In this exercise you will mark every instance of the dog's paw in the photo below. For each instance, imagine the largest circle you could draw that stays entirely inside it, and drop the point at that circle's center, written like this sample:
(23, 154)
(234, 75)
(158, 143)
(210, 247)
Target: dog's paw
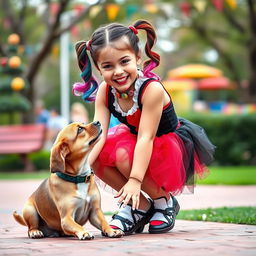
(85, 235)
(35, 233)
(113, 233)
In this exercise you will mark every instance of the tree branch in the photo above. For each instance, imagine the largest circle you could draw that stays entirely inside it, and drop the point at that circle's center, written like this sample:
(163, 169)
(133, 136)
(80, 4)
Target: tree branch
(202, 32)
(16, 24)
(2, 51)
(252, 15)
(38, 59)
(72, 23)
(23, 10)
(76, 20)
(53, 33)
(232, 21)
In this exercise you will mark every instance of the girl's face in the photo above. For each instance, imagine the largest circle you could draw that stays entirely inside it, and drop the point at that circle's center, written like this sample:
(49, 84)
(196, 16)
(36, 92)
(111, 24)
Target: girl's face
(118, 66)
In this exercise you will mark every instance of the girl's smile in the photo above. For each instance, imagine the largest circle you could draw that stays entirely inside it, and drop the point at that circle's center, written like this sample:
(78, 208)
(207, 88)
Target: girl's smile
(118, 65)
(122, 80)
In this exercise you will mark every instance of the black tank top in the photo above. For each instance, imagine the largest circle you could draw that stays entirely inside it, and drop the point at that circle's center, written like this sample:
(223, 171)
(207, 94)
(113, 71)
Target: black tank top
(168, 122)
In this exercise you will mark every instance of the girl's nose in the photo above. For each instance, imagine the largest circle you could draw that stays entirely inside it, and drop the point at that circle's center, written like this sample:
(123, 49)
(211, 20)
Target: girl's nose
(118, 70)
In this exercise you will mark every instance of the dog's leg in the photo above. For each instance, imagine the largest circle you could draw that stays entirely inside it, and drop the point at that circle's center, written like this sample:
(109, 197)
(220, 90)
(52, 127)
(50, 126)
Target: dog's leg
(31, 218)
(70, 227)
(97, 219)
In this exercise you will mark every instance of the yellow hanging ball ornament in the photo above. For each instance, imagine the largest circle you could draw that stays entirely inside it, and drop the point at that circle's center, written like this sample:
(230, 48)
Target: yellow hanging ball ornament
(17, 84)
(14, 62)
(13, 39)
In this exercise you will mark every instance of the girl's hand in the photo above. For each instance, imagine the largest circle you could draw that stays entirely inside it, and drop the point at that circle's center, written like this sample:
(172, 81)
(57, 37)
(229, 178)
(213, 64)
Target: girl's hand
(130, 191)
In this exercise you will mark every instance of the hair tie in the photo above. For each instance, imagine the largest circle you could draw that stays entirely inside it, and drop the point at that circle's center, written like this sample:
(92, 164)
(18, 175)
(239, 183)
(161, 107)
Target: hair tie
(88, 45)
(133, 29)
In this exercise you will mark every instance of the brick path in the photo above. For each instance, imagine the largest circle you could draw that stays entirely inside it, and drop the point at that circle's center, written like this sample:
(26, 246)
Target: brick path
(187, 238)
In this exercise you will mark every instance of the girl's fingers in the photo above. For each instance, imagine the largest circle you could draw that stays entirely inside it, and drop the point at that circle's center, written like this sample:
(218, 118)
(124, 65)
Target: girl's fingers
(135, 202)
(126, 200)
(121, 199)
(119, 193)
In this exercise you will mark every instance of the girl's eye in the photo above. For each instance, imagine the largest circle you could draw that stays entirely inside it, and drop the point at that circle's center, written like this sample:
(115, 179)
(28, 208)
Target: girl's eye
(125, 61)
(106, 67)
(80, 129)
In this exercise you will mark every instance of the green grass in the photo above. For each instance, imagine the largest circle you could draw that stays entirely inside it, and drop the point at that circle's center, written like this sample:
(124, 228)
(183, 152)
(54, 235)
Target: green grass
(24, 175)
(237, 215)
(233, 175)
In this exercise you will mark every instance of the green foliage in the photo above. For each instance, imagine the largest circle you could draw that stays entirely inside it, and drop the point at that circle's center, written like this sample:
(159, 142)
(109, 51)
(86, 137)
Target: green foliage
(41, 160)
(233, 135)
(238, 215)
(6, 70)
(230, 175)
(10, 118)
(10, 100)
(10, 163)
(5, 84)
(24, 175)
(14, 103)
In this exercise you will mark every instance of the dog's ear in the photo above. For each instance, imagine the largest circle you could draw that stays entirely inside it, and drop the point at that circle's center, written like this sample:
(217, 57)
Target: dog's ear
(58, 155)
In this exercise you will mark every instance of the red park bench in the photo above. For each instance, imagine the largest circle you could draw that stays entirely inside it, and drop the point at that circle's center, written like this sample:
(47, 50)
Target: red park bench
(22, 140)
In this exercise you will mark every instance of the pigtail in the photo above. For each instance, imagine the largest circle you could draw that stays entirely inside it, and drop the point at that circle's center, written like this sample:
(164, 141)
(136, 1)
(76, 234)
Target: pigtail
(89, 88)
(151, 40)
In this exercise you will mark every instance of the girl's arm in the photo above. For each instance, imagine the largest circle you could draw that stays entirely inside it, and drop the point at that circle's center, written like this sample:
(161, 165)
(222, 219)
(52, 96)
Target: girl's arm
(153, 103)
(102, 115)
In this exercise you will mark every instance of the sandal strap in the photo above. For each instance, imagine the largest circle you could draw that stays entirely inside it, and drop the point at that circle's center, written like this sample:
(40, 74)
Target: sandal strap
(123, 221)
(128, 222)
(167, 211)
(142, 218)
(170, 211)
(133, 212)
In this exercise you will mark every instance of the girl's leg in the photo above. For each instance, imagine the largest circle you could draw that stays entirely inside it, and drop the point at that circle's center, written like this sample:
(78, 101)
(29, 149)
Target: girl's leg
(128, 220)
(124, 166)
(117, 177)
(111, 176)
(162, 220)
(148, 185)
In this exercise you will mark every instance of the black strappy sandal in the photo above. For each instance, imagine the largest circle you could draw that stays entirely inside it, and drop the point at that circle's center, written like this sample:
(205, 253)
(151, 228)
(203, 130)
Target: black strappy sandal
(130, 227)
(170, 214)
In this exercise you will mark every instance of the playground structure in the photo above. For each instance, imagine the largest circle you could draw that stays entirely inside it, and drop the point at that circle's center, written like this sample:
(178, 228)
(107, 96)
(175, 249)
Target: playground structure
(186, 83)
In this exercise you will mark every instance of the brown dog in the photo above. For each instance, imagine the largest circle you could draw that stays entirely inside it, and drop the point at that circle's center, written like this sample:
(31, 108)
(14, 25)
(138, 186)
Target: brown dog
(69, 197)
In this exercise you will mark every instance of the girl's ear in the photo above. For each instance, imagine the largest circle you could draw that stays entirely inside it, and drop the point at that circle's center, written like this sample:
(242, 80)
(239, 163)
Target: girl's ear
(138, 58)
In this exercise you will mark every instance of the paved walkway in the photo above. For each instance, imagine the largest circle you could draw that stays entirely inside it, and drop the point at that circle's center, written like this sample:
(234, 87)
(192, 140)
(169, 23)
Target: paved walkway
(187, 238)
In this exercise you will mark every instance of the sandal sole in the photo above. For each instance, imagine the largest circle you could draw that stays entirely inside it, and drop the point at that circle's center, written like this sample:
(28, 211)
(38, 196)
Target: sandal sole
(168, 228)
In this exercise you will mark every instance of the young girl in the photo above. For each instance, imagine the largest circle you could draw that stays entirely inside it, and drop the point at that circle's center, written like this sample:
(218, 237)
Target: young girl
(152, 154)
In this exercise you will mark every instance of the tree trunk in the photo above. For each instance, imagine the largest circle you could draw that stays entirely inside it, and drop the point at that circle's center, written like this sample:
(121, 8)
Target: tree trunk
(252, 78)
(252, 51)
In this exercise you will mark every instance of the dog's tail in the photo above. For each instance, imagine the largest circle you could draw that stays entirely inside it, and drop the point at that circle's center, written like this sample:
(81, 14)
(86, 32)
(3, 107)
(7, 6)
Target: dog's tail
(19, 218)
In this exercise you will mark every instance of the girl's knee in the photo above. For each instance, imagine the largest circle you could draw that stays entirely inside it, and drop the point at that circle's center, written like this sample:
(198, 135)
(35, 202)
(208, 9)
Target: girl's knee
(121, 155)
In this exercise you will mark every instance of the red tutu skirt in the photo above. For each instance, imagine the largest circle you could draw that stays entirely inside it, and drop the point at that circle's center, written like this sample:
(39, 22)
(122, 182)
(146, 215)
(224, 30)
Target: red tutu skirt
(169, 163)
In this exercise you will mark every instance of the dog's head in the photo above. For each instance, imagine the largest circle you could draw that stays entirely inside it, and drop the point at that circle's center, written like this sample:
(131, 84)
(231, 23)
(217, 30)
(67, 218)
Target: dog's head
(72, 146)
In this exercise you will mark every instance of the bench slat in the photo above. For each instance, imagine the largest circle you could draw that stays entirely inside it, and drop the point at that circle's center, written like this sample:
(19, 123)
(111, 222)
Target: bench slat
(21, 138)
(13, 148)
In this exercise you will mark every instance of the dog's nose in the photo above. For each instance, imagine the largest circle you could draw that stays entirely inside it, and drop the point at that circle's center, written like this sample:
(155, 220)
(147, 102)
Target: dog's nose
(96, 123)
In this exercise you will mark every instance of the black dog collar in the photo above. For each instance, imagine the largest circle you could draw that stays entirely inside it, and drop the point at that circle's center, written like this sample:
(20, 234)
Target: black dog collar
(75, 179)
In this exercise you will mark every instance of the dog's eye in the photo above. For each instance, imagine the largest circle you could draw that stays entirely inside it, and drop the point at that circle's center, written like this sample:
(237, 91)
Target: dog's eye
(80, 129)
